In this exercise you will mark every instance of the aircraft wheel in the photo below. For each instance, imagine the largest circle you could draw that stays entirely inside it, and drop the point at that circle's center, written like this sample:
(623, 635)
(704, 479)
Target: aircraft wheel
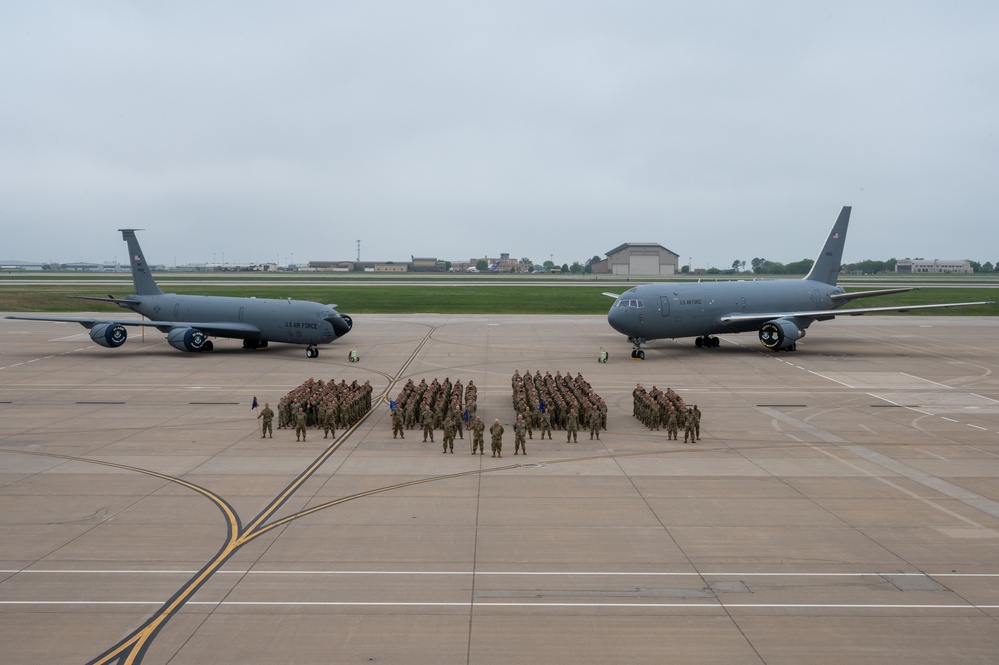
(715, 342)
(208, 347)
(699, 342)
(312, 352)
(640, 354)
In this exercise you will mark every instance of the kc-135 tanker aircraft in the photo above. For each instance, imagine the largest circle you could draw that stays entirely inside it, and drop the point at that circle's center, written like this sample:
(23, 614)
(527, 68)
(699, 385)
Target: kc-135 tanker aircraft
(780, 309)
(189, 321)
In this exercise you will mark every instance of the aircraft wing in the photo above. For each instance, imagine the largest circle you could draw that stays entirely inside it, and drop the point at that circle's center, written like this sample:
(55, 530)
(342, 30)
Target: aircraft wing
(837, 297)
(111, 299)
(211, 328)
(822, 314)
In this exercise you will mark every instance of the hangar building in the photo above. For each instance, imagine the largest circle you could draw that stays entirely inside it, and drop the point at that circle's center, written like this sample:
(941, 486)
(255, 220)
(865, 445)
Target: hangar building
(639, 258)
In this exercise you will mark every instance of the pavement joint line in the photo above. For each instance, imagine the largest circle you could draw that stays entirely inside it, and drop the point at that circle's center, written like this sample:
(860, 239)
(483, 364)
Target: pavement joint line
(512, 573)
(472, 604)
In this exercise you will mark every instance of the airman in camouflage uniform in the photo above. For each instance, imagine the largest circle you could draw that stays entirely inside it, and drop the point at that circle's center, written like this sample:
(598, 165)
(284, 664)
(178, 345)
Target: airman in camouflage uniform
(448, 428)
(496, 431)
(397, 424)
(329, 421)
(571, 426)
(478, 432)
(267, 416)
(427, 423)
(519, 429)
(300, 420)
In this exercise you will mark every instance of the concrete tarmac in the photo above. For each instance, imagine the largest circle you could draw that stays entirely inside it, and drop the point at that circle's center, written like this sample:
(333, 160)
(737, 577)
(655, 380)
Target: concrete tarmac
(842, 504)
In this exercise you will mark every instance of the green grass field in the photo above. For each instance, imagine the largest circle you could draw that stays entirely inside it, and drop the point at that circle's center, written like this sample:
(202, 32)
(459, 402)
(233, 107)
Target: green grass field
(372, 297)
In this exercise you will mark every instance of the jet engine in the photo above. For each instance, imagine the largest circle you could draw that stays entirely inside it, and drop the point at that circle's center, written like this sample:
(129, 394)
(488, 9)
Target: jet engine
(110, 335)
(187, 339)
(780, 334)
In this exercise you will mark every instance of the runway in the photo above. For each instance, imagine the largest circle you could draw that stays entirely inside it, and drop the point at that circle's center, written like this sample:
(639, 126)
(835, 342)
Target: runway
(841, 506)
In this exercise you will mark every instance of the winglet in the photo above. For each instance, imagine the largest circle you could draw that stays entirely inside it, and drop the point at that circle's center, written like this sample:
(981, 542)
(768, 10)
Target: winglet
(142, 278)
(827, 265)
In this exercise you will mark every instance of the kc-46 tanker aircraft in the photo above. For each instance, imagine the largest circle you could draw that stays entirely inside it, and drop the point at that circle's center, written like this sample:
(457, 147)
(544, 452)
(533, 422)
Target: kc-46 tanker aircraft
(189, 321)
(780, 309)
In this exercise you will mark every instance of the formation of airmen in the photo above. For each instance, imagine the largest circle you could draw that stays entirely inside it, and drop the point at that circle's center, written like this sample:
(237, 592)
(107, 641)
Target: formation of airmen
(666, 410)
(323, 405)
(541, 403)
(433, 406)
(559, 402)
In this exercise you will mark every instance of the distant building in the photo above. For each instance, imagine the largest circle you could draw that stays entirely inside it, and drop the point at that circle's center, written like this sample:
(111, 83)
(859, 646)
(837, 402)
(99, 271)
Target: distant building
(639, 258)
(390, 267)
(11, 264)
(916, 266)
(333, 266)
(425, 264)
(503, 264)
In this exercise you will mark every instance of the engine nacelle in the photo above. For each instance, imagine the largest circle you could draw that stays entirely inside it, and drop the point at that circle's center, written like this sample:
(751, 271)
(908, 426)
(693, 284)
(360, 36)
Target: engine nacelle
(110, 335)
(780, 334)
(187, 339)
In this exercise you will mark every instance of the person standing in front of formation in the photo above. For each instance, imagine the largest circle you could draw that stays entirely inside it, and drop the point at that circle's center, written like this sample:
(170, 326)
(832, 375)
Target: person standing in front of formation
(519, 429)
(448, 428)
(267, 416)
(478, 435)
(496, 431)
(300, 420)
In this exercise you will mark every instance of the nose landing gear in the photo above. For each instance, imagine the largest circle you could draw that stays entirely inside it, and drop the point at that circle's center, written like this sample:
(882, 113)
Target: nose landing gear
(637, 352)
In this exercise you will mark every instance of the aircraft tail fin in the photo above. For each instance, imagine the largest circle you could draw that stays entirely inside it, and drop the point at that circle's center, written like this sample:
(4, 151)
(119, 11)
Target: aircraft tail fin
(142, 277)
(827, 264)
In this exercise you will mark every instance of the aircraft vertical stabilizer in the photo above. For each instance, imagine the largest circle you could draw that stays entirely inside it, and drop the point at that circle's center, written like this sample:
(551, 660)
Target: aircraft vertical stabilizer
(142, 277)
(827, 264)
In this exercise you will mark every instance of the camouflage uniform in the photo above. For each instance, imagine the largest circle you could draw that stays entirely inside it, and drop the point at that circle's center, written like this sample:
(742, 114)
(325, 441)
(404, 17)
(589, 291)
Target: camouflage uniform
(571, 426)
(478, 430)
(397, 424)
(496, 431)
(329, 423)
(519, 429)
(546, 425)
(300, 420)
(427, 423)
(268, 418)
(448, 435)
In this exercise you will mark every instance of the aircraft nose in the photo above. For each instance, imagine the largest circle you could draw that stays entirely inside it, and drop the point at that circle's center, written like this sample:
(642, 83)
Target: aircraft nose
(341, 324)
(616, 319)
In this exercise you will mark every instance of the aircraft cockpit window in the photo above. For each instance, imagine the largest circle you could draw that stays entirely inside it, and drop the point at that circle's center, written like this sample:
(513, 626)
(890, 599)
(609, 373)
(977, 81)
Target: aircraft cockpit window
(630, 303)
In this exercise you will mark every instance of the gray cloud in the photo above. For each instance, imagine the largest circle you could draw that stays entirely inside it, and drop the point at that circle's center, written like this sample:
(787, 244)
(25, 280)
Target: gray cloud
(723, 130)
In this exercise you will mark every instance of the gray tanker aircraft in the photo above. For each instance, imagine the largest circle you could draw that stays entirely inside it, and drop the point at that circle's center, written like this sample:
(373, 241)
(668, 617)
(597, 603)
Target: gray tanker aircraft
(188, 321)
(779, 309)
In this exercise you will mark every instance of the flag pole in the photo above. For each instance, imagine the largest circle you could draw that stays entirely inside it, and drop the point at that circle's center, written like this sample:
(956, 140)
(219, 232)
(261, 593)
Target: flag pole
(253, 410)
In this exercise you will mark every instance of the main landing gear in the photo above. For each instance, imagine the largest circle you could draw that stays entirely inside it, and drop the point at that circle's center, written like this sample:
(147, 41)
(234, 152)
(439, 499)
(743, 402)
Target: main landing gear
(706, 341)
(637, 352)
(312, 351)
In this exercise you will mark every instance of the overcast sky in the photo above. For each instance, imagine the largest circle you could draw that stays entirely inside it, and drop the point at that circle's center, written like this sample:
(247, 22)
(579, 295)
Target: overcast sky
(722, 130)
